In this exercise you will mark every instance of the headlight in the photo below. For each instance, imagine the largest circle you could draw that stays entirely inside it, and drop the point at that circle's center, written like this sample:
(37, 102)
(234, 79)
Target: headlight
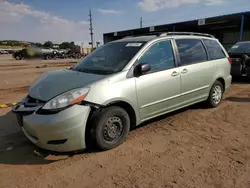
(68, 98)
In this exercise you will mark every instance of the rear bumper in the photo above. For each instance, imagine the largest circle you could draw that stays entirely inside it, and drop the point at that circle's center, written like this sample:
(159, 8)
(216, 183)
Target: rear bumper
(61, 132)
(228, 82)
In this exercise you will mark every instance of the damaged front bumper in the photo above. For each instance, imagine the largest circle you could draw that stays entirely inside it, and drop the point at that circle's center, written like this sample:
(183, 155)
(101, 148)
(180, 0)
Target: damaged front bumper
(63, 131)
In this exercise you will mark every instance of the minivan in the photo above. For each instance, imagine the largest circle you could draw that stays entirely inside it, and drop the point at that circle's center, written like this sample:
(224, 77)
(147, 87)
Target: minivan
(120, 85)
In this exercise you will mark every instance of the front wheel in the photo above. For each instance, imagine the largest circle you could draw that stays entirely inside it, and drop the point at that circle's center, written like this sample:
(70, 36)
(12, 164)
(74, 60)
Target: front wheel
(110, 127)
(215, 95)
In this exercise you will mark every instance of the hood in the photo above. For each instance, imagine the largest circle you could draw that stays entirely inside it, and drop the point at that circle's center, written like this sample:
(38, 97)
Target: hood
(53, 83)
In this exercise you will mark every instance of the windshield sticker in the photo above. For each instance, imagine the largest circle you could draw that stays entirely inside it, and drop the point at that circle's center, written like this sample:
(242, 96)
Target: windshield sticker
(133, 44)
(235, 46)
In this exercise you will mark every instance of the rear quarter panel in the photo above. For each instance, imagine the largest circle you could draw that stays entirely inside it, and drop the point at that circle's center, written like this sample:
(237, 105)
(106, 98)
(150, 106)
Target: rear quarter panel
(222, 68)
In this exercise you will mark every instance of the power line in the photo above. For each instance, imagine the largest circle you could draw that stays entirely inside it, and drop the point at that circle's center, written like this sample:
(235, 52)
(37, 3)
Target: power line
(91, 29)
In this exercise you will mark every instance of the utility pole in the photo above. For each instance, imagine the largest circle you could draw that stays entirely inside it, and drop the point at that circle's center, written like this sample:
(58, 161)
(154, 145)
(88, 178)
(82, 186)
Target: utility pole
(91, 29)
(141, 22)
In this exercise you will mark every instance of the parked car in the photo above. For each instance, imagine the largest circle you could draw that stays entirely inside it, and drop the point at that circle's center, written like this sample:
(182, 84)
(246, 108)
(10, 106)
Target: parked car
(120, 85)
(19, 54)
(240, 55)
(3, 52)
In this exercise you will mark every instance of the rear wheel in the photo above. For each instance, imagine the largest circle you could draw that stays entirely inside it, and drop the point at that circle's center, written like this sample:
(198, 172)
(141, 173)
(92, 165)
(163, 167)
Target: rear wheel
(215, 95)
(110, 127)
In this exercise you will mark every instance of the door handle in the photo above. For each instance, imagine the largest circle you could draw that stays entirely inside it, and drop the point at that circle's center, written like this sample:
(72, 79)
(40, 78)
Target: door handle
(184, 71)
(174, 73)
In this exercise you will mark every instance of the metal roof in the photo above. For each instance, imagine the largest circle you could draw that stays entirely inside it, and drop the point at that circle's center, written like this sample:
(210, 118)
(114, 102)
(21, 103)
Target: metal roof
(183, 22)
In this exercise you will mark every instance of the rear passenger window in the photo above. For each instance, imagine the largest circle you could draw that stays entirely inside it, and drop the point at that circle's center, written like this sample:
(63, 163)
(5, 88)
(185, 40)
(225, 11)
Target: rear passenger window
(191, 51)
(214, 49)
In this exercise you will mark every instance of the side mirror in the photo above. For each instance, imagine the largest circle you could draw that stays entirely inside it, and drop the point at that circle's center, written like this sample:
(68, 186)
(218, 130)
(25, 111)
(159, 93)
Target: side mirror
(140, 69)
(145, 68)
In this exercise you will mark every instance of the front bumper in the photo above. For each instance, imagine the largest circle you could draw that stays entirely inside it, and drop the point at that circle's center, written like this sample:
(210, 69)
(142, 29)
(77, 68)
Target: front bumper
(61, 132)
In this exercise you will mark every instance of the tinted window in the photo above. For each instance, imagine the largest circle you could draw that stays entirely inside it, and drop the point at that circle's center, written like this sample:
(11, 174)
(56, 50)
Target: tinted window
(214, 49)
(159, 56)
(191, 51)
(243, 47)
(109, 58)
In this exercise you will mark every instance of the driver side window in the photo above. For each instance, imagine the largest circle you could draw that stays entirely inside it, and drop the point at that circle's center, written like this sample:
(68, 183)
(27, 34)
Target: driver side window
(160, 56)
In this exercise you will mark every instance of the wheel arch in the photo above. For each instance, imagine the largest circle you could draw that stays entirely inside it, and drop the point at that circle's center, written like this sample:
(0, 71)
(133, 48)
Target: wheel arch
(95, 108)
(128, 108)
(222, 81)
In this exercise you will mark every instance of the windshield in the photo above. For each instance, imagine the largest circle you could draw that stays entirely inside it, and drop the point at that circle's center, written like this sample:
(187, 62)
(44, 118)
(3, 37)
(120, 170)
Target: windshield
(240, 48)
(110, 58)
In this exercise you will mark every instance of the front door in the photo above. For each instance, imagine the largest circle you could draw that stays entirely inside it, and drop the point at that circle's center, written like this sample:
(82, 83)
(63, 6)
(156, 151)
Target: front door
(158, 90)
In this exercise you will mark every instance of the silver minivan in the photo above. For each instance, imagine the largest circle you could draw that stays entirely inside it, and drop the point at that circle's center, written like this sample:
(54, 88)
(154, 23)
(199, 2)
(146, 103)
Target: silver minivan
(120, 85)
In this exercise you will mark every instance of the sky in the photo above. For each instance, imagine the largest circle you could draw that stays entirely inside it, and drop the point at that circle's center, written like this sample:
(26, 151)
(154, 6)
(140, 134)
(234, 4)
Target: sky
(67, 20)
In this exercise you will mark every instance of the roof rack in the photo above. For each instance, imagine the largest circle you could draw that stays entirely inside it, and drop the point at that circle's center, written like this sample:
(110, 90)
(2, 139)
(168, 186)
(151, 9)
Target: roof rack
(185, 33)
(144, 35)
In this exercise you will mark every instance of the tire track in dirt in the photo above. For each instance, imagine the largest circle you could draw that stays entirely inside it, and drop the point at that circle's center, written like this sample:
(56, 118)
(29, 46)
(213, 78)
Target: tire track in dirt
(13, 65)
(14, 89)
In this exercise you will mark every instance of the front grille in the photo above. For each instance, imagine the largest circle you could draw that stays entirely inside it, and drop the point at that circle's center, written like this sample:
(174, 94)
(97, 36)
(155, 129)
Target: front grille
(32, 102)
(29, 106)
(26, 113)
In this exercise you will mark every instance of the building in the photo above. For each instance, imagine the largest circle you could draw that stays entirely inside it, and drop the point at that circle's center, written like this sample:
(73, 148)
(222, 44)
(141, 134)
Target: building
(82, 50)
(227, 28)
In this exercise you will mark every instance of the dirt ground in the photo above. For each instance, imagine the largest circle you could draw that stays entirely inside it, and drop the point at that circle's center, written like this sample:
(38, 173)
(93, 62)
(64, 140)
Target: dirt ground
(194, 147)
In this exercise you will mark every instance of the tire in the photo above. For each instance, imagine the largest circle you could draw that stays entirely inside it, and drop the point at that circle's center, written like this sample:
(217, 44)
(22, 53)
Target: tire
(211, 102)
(100, 132)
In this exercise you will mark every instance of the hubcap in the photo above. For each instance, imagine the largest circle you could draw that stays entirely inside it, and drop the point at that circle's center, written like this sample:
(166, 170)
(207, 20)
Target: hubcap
(113, 129)
(217, 94)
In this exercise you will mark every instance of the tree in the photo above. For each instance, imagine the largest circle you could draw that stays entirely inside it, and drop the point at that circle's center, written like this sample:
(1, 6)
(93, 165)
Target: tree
(67, 45)
(38, 44)
(48, 44)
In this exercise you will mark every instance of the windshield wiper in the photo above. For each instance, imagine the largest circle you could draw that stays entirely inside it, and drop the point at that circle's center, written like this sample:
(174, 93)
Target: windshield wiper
(95, 71)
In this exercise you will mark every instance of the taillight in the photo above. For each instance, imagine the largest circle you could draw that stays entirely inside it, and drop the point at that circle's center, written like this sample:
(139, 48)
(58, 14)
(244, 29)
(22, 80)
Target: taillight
(229, 60)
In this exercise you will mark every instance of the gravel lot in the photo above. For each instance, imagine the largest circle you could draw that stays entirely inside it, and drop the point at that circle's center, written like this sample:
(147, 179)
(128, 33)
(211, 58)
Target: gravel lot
(193, 147)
